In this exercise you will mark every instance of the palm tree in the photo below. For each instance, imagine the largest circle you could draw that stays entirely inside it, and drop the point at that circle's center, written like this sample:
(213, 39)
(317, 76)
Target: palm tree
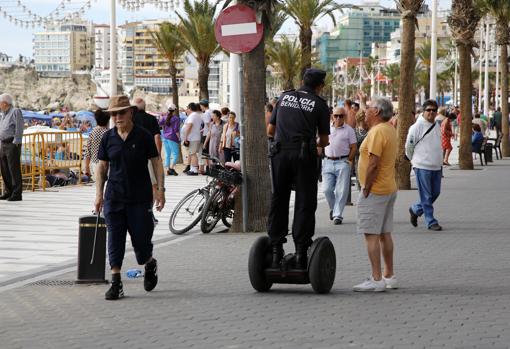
(256, 174)
(409, 10)
(285, 57)
(392, 73)
(463, 22)
(165, 41)
(196, 30)
(500, 10)
(305, 13)
(423, 54)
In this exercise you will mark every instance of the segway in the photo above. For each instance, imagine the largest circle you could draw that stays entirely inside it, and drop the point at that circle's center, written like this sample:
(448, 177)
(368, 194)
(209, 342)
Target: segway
(320, 271)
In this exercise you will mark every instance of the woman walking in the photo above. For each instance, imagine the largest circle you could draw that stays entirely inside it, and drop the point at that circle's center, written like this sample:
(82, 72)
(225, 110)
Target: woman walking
(212, 141)
(171, 138)
(446, 138)
(230, 132)
(94, 140)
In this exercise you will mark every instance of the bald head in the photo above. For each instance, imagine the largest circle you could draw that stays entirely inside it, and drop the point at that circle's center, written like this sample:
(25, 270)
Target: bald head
(140, 103)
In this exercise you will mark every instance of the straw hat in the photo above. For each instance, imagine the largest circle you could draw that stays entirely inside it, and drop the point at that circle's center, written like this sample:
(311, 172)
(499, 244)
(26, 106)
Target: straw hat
(118, 103)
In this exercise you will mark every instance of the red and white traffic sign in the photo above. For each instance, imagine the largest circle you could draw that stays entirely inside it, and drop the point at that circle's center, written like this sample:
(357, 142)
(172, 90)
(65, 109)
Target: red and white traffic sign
(237, 30)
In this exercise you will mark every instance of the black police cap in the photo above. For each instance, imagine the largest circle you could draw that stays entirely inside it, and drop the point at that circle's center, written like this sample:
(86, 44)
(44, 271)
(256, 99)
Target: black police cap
(314, 77)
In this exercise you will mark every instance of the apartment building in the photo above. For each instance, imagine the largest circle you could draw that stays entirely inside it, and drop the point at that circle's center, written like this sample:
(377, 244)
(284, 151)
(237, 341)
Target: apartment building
(64, 49)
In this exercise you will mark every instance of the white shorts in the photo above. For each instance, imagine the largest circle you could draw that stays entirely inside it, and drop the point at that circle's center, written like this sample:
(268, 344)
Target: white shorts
(375, 213)
(194, 147)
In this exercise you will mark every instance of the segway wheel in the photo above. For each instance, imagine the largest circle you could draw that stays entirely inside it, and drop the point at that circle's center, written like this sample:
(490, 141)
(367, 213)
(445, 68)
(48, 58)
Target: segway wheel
(322, 267)
(259, 260)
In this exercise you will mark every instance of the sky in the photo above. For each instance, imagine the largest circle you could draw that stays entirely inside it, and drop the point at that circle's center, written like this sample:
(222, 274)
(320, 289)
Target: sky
(16, 40)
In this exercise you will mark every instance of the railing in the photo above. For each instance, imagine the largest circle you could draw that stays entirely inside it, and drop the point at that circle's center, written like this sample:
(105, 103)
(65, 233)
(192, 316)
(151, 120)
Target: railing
(42, 153)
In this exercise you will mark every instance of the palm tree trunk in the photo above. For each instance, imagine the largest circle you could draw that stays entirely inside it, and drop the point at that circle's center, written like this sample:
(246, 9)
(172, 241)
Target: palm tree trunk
(466, 88)
(256, 174)
(405, 100)
(305, 38)
(503, 61)
(288, 85)
(175, 89)
(203, 77)
(427, 84)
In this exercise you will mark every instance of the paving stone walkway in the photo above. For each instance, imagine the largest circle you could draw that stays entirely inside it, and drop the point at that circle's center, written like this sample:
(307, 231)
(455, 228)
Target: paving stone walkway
(455, 289)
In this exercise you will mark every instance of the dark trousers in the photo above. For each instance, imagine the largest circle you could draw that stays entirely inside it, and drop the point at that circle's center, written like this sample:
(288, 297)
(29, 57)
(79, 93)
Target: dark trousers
(228, 154)
(11, 168)
(289, 171)
(135, 218)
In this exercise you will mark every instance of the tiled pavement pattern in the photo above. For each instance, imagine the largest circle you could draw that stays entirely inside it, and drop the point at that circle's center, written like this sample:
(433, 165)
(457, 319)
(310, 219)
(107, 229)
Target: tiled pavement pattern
(41, 232)
(455, 289)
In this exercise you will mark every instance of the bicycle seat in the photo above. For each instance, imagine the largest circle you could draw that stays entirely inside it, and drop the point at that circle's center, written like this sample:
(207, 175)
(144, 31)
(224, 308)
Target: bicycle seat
(234, 165)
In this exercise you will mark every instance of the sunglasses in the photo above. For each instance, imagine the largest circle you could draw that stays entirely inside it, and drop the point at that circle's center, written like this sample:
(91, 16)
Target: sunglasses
(338, 116)
(431, 110)
(120, 112)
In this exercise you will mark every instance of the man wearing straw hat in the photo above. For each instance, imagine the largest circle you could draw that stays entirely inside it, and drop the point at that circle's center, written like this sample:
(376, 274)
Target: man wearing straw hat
(127, 201)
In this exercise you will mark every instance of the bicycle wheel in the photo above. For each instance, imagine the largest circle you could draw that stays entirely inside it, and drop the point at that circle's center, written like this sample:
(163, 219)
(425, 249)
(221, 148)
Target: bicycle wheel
(212, 211)
(228, 214)
(188, 211)
(227, 218)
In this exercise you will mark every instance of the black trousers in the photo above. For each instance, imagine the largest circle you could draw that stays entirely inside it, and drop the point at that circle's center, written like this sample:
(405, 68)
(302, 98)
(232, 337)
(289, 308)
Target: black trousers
(135, 218)
(289, 171)
(10, 167)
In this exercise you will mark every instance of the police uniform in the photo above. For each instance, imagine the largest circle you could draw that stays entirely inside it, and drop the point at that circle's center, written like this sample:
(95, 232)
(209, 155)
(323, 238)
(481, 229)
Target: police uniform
(128, 195)
(298, 117)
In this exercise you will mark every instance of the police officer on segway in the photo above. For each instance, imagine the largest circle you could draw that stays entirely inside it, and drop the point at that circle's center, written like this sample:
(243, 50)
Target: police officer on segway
(299, 116)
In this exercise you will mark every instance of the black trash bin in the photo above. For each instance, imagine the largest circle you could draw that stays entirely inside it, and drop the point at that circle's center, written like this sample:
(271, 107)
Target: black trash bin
(488, 152)
(91, 250)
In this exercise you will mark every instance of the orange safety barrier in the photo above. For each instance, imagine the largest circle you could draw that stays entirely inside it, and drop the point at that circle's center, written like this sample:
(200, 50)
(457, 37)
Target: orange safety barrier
(43, 152)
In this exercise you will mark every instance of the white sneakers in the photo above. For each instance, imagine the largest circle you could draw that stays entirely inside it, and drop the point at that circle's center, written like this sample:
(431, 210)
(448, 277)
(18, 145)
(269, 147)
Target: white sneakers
(371, 285)
(391, 282)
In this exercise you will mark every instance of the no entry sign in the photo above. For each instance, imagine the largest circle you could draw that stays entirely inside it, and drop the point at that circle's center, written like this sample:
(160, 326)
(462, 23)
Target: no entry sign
(237, 30)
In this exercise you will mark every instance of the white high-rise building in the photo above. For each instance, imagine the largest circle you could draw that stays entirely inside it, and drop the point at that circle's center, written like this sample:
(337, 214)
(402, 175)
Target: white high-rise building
(218, 79)
(102, 47)
(63, 50)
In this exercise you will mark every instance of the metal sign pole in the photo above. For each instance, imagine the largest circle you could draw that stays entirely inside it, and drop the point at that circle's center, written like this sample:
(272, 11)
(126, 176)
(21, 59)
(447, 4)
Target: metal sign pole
(244, 187)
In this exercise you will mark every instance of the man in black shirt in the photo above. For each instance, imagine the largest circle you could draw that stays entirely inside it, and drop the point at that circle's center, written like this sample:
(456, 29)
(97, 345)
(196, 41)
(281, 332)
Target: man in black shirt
(295, 122)
(149, 123)
(127, 201)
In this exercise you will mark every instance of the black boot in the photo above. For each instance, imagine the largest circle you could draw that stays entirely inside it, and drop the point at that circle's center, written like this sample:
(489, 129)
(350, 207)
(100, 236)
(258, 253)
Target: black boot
(301, 257)
(277, 256)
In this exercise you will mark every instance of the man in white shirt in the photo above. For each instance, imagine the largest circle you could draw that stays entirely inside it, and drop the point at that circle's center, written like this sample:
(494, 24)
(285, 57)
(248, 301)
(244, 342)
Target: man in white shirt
(192, 136)
(423, 148)
(336, 169)
(206, 119)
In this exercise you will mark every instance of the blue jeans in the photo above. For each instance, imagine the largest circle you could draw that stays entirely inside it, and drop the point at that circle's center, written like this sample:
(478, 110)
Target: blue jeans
(171, 152)
(429, 188)
(336, 179)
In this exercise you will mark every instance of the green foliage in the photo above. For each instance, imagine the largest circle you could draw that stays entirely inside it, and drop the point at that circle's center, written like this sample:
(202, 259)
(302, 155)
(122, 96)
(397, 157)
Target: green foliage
(197, 30)
(306, 12)
(285, 57)
(168, 42)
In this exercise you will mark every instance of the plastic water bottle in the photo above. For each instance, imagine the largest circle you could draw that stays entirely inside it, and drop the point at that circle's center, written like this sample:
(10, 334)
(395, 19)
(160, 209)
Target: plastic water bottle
(134, 273)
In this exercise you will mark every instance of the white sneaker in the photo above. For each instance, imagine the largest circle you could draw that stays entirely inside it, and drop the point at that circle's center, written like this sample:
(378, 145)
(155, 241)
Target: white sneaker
(391, 282)
(370, 285)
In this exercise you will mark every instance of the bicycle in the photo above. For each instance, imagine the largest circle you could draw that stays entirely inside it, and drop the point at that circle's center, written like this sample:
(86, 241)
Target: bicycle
(220, 204)
(188, 212)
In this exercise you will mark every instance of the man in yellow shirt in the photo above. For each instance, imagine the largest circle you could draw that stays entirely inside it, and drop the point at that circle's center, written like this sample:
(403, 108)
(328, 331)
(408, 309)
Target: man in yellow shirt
(376, 170)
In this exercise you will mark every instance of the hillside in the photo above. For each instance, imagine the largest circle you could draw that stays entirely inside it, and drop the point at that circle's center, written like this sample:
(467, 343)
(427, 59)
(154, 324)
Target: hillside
(38, 93)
